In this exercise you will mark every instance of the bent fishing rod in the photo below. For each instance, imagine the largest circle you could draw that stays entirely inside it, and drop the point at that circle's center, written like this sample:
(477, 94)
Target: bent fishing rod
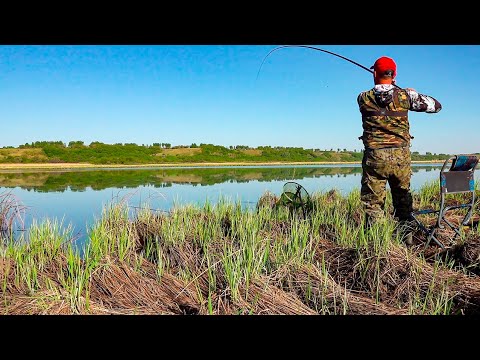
(316, 49)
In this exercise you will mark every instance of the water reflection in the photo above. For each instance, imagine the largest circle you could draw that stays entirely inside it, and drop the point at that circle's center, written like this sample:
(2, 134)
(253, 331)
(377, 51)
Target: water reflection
(83, 180)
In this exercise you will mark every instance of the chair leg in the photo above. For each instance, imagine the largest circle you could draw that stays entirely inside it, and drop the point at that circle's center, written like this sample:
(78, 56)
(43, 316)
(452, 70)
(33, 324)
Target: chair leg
(457, 232)
(468, 215)
(463, 222)
(431, 236)
(430, 232)
(424, 229)
(420, 225)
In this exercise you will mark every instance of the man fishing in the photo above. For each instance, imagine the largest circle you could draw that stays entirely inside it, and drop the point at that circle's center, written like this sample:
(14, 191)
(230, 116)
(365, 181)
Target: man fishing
(386, 139)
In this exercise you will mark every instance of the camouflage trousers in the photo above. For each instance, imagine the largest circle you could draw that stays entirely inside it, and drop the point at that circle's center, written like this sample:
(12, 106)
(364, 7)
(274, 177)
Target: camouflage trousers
(392, 165)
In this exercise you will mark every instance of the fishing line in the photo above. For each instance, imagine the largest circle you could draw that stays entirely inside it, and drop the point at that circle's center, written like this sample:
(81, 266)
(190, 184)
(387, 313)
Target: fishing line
(316, 49)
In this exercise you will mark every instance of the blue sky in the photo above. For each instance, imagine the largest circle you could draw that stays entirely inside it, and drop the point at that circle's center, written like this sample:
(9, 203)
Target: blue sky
(182, 94)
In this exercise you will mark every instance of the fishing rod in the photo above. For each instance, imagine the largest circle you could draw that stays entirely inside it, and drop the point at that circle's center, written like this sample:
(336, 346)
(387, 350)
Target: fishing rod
(316, 49)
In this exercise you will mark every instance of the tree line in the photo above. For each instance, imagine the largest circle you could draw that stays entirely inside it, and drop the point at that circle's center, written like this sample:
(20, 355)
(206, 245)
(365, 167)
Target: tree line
(130, 153)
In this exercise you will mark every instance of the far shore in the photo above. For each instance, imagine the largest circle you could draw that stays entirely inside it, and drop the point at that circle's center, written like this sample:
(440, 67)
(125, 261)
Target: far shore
(65, 166)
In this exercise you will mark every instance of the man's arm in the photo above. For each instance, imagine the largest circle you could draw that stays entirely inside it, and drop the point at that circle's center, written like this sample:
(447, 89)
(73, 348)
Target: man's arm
(423, 103)
(359, 98)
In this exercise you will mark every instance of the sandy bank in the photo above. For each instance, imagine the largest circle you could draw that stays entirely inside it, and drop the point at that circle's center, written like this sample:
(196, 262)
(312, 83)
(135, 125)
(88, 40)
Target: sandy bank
(59, 166)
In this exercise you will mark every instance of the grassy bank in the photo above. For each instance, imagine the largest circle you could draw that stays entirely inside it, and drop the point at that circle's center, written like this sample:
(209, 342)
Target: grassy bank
(222, 259)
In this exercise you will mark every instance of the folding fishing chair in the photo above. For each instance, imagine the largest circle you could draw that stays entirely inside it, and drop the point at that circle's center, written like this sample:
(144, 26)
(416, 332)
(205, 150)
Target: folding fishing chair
(459, 178)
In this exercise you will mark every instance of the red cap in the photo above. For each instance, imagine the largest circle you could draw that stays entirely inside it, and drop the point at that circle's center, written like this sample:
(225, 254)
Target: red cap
(383, 64)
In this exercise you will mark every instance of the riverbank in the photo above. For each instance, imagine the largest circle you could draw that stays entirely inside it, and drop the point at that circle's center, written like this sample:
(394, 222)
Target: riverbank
(66, 166)
(222, 260)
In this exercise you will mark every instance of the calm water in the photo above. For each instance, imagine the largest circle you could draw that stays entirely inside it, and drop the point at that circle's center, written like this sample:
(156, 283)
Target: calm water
(77, 197)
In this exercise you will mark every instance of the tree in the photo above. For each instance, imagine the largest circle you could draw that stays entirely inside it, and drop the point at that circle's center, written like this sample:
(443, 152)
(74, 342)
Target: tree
(76, 144)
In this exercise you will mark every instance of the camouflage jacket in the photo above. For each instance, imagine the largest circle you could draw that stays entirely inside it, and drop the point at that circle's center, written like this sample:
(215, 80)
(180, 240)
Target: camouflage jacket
(384, 112)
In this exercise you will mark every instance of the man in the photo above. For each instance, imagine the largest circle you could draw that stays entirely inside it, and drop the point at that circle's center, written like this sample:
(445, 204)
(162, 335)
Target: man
(386, 139)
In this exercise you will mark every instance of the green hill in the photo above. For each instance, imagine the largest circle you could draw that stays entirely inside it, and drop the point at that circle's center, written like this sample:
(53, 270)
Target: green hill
(131, 154)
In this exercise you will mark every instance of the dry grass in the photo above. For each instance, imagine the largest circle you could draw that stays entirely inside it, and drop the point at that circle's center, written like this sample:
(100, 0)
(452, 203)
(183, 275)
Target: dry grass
(223, 260)
(181, 151)
(118, 288)
(252, 152)
(24, 153)
(12, 213)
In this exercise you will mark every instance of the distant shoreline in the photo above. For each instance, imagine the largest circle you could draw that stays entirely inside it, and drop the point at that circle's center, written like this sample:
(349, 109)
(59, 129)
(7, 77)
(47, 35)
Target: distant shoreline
(66, 166)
